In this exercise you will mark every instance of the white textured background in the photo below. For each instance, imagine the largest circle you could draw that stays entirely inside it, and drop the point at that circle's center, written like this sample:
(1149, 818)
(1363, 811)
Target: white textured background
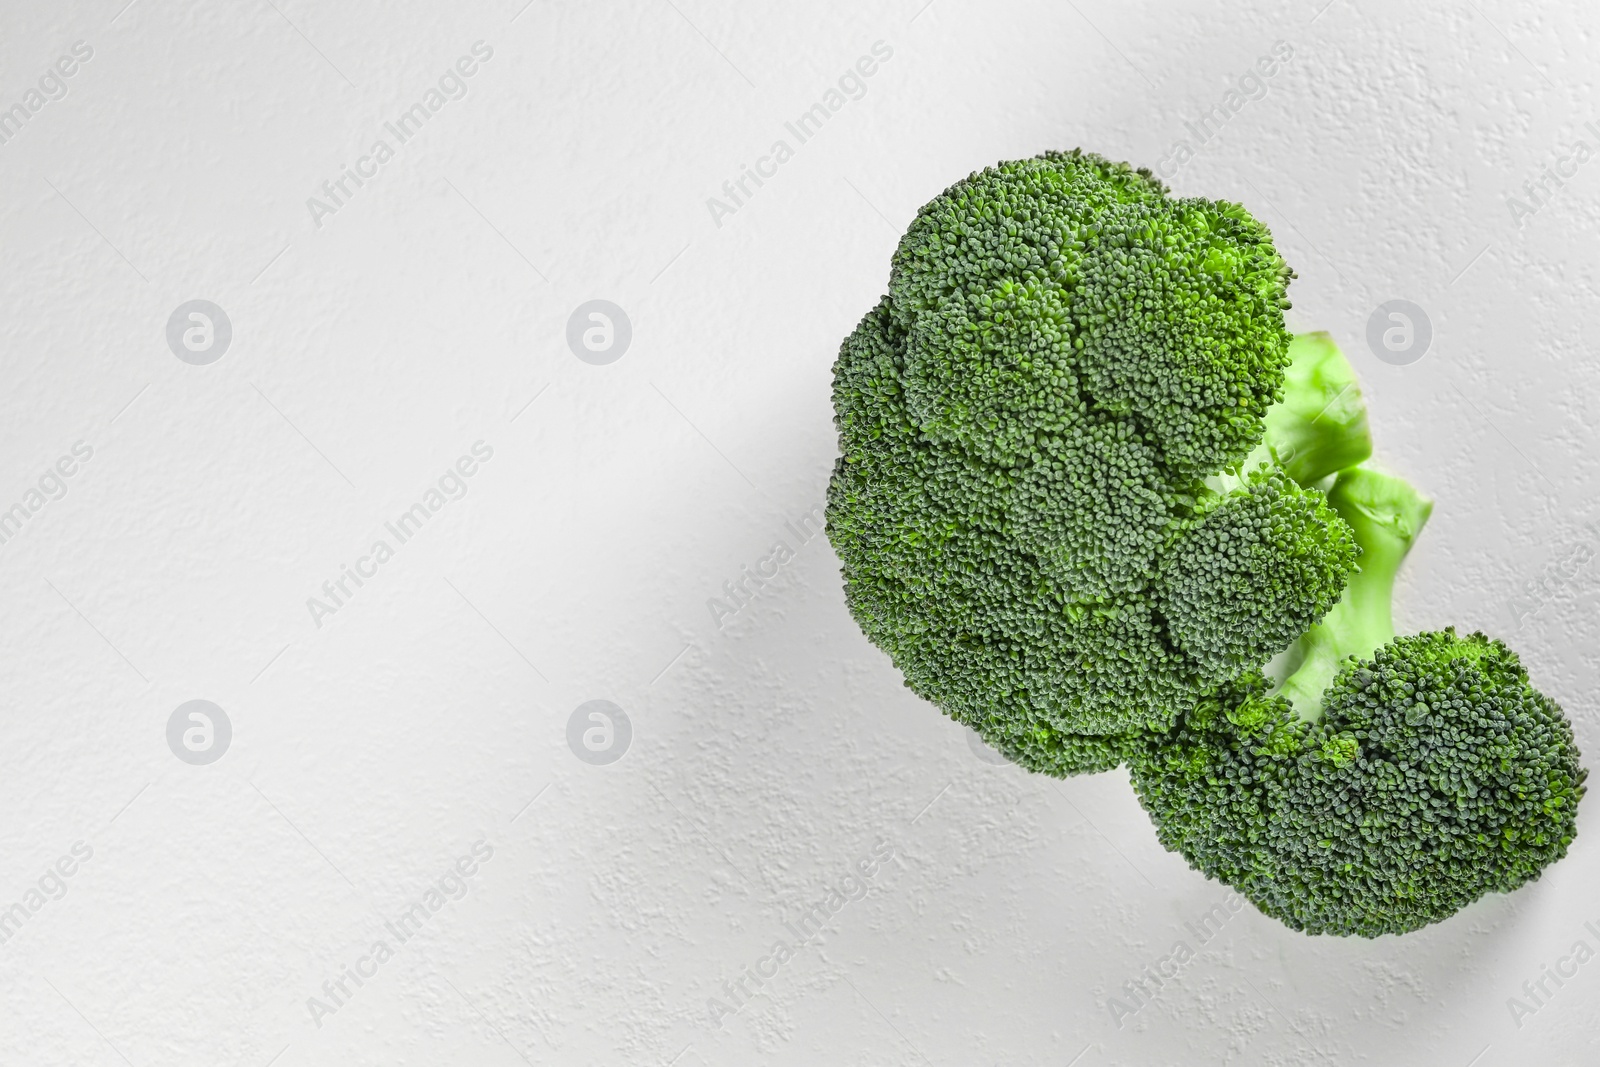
(772, 753)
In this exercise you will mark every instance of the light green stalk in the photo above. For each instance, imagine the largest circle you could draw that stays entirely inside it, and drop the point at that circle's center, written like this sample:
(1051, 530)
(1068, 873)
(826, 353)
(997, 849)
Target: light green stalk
(1387, 513)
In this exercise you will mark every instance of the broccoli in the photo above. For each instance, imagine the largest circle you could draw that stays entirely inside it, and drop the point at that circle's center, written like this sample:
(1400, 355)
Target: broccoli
(1319, 427)
(1388, 782)
(1080, 504)
(1042, 507)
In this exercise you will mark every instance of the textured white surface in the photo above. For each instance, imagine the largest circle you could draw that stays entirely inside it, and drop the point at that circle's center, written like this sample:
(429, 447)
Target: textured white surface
(773, 753)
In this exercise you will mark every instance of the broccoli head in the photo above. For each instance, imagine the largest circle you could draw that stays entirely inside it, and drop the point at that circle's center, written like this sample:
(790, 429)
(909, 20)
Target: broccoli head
(1043, 507)
(1078, 504)
(1389, 782)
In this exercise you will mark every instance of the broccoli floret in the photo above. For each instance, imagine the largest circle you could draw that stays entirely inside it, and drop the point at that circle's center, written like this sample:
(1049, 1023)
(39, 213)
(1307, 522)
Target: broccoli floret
(1252, 573)
(1254, 569)
(1390, 781)
(1038, 507)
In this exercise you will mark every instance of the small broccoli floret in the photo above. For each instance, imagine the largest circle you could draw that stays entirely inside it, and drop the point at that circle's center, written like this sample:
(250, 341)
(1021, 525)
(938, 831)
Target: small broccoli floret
(1252, 573)
(1173, 326)
(1391, 782)
(1457, 778)
(1026, 423)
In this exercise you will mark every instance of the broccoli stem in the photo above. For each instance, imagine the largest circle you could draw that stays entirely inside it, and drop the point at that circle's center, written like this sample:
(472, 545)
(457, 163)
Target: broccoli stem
(1320, 425)
(1386, 513)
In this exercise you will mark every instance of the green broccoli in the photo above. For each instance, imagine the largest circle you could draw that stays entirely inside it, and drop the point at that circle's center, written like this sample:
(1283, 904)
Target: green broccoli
(1046, 506)
(1319, 427)
(1079, 503)
(1389, 782)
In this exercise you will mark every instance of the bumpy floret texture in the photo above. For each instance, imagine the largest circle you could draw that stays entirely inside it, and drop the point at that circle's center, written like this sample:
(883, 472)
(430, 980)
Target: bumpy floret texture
(1025, 423)
(1043, 749)
(1255, 571)
(1436, 774)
